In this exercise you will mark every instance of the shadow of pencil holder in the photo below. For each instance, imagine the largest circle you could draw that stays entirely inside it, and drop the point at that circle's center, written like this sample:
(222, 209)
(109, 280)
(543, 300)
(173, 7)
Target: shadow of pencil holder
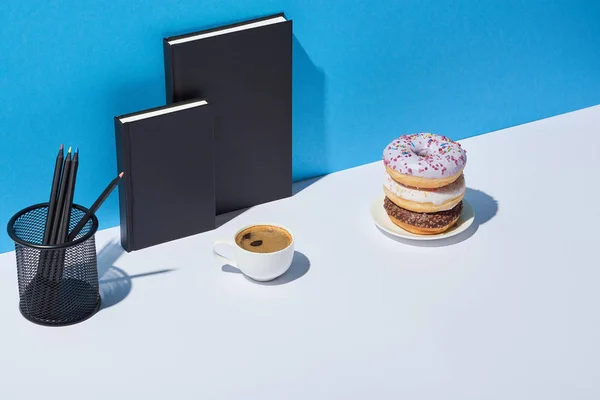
(58, 284)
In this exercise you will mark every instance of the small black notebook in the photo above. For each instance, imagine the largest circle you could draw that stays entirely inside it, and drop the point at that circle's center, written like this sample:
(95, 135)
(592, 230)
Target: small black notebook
(245, 71)
(167, 155)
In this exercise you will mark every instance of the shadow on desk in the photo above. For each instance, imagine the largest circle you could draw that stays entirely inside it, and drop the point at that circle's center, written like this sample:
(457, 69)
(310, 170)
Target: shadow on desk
(297, 187)
(115, 284)
(299, 268)
(486, 208)
(301, 185)
(222, 219)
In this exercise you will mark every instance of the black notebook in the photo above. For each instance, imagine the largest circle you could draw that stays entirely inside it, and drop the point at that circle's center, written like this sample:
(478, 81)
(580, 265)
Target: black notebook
(167, 155)
(245, 71)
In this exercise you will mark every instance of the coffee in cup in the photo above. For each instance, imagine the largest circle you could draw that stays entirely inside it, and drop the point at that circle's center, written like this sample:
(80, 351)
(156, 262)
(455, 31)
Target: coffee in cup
(263, 239)
(262, 252)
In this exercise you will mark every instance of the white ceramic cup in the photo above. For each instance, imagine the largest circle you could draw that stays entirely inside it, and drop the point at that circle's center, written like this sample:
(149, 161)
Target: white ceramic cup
(258, 266)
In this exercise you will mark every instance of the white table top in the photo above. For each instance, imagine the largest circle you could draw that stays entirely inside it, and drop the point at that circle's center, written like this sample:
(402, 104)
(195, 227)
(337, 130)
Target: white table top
(508, 310)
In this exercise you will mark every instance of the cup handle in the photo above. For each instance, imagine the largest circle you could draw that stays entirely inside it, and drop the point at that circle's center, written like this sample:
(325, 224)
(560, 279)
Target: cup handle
(216, 252)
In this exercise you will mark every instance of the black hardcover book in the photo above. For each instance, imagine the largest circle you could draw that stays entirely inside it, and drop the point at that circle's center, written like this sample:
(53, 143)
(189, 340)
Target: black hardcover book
(245, 71)
(168, 191)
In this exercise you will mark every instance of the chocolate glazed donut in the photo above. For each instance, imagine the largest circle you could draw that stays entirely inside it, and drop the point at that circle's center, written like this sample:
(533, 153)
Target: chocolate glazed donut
(422, 223)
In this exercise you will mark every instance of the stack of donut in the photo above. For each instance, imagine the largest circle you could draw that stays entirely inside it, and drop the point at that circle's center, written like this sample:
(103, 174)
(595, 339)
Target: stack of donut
(424, 183)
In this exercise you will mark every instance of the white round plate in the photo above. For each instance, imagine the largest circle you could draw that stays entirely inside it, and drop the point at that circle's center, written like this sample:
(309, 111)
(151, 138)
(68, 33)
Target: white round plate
(382, 220)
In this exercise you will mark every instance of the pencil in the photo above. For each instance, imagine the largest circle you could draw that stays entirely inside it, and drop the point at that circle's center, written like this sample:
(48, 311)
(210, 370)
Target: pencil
(63, 228)
(44, 259)
(57, 268)
(92, 210)
(62, 192)
(53, 194)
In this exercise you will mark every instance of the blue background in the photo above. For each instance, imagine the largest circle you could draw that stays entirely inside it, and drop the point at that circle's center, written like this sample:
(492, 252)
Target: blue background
(364, 72)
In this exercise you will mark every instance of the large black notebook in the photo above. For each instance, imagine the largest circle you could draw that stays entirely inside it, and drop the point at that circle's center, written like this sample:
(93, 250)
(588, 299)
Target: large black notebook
(245, 71)
(167, 155)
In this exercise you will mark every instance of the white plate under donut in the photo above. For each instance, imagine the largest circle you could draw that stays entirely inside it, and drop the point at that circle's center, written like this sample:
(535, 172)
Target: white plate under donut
(384, 223)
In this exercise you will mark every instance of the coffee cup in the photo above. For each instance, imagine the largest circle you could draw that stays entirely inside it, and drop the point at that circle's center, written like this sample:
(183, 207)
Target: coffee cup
(262, 252)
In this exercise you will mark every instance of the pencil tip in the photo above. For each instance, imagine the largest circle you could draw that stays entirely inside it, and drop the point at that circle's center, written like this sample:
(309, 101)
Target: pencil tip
(62, 146)
(69, 150)
(77, 150)
(121, 174)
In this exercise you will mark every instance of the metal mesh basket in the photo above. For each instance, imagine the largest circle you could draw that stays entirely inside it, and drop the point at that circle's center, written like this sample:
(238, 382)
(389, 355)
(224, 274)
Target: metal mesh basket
(58, 284)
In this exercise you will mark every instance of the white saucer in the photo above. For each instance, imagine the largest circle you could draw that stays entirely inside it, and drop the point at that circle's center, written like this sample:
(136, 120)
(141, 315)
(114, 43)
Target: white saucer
(384, 223)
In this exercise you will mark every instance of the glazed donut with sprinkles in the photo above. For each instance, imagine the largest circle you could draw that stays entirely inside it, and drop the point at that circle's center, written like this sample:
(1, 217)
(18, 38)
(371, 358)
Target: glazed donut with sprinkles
(424, 160)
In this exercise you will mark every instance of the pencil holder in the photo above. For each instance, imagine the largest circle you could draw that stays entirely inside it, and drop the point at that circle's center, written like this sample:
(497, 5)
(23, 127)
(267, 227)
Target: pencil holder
(58, 284)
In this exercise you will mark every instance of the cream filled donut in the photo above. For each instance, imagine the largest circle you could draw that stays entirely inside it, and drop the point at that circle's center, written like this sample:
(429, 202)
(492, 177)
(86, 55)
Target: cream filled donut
(425, 200)
(424, 160)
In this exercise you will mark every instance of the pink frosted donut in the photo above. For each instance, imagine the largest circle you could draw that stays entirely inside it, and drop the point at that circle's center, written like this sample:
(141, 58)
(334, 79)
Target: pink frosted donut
(424, 160)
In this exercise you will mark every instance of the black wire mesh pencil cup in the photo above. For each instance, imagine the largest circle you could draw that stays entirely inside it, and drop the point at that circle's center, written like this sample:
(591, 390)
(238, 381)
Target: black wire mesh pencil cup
(58, 284)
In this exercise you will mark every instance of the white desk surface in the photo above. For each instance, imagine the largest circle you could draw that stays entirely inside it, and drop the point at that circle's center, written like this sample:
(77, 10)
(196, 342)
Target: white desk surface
(508, 310)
